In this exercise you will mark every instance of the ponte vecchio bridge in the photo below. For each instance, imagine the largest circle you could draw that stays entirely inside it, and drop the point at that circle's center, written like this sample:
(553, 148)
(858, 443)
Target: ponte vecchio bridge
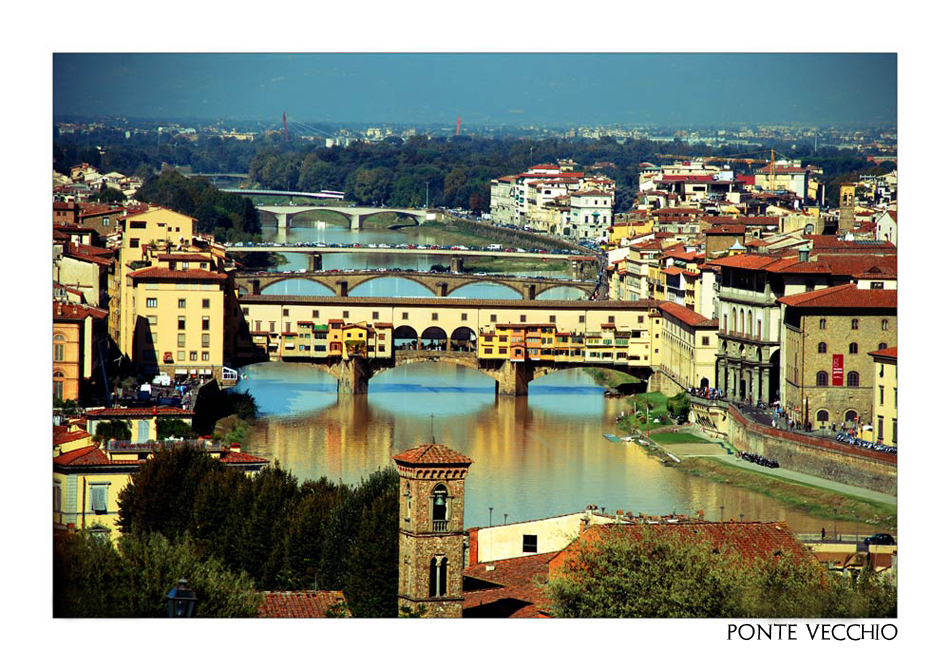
(284, 214)
(446, 330)
(440, 284)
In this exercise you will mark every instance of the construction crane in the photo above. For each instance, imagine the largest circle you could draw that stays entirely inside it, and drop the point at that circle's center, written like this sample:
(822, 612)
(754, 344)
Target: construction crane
(770, 162)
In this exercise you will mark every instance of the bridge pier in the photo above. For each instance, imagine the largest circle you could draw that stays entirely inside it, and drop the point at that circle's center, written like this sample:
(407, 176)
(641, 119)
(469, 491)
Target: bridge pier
(512, 379)
(443, 289)
(344, 288)
(283, 220)
(457, 264)
(256, 287)
(316, 263)
(356, 222)
(531, 291)
(354, 375)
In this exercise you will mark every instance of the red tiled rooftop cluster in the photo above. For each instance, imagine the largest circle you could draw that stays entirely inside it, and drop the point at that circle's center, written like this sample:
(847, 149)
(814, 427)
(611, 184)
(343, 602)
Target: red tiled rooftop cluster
(299, 604)
(432, 454)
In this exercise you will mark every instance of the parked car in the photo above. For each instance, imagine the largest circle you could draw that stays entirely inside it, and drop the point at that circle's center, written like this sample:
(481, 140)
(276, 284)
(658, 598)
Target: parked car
(880, 539)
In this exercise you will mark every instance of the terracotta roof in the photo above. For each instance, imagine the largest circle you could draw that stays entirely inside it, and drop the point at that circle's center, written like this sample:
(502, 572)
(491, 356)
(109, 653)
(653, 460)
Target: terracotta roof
(726, 229)
(687, 316)
(187, 256)
(844, 296)
(887, 353)
(70, 311)
(751, 540)
(86, 456)
(307, 603)
(155, 273)
(61, 437)
(232, 457)
(519, 579)
(138, 412)
(432, 454)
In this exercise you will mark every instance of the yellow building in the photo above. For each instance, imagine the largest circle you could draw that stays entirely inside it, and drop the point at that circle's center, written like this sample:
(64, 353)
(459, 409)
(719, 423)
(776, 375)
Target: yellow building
(142, 422)
(75, 355)
(884, 412)
(153, 229)
(87, 481)
(690, 342)
(176, 316)
(625, 229)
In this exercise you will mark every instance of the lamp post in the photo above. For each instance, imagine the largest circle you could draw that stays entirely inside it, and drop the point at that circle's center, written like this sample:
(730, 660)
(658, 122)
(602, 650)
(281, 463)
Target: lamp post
(181, 600)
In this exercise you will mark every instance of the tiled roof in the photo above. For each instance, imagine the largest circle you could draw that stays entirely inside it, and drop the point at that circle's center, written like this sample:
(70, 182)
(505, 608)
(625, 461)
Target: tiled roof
(187, 256)
(687, 316)
(432, 454)
(86, 456)
(751, 540)
(307, 603)
(844, 296)
(887, 353)
(138, 412)
(61, 437)
(69, 311)
(726, 229)
(516, 579)
(155, 273)
(232, 457)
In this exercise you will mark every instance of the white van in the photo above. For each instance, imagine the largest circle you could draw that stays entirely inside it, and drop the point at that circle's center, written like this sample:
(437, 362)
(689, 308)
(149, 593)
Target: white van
(162, 379)
(494, 247)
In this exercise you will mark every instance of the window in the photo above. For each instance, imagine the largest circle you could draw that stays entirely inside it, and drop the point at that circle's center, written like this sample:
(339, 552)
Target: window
(245, 311)
(821, 379)
(375, 314)
(822, 416)
(181, 303)
(880, 428)
(181, 323)
(134, 243)
(494, 318)
(464, 316)
(273, 327)
(881, 393)
(523, 319)
(59, 348)
(853, 379)
(884, 324)
(822, 348)
(206, 340)
(346, 314)
(438, 570)
(877, 285)
(435, 316)
(551, 319)
(205, 323)
(405, 315)
(205, 303)
(152, 320)
(315, 313)
(853, 348)
(529, 543)
(151, 302)
(854, 324)
(181, 339)
(822, 323)
(58, 378)
(99, 497)
(882, 345)
(285, 312)
(610, 320)
(894, 431)
(640, 319)
(193, 356)
(850, 416)
(180, 355)
(705, 341)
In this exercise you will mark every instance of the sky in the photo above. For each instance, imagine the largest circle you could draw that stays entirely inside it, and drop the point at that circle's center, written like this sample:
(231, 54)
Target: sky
(484, 89)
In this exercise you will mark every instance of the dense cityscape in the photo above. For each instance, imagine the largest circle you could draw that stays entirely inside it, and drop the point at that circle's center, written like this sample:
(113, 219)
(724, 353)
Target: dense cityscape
(311, 369)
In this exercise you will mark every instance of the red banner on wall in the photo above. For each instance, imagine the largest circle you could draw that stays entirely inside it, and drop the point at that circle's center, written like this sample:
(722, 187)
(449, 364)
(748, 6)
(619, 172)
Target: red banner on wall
(837, 370)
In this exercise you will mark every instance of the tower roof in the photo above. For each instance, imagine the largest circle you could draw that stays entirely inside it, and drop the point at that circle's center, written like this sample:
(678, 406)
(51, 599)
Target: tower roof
(431, 454)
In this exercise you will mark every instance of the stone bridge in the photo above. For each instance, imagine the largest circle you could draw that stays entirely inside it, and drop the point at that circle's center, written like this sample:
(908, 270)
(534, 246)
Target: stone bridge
(357, 215)
(511, 377)
(440, 284)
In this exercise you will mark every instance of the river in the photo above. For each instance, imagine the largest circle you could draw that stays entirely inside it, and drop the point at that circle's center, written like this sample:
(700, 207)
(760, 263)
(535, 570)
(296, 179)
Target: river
(534, 457)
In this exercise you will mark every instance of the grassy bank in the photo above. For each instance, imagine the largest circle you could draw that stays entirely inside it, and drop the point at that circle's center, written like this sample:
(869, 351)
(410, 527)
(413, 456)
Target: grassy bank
(811, 500)
(505, 265)
(670, 438)
(610, 378)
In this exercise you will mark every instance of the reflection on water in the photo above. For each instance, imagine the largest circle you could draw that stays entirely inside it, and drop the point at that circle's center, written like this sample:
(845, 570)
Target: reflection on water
(534, 457)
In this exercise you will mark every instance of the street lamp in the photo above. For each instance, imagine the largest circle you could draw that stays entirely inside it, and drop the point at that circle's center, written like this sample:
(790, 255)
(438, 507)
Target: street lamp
(181, 600)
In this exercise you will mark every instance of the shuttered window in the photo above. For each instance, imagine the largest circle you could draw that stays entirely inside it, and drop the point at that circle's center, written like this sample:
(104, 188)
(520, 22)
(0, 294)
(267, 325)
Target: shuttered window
(99, 495)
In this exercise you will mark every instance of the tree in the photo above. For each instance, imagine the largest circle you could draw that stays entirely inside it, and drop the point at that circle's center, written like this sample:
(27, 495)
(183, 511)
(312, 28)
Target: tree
(107, 194)
(173, 428)
(117, 429)
(372, 571)
(657, 574)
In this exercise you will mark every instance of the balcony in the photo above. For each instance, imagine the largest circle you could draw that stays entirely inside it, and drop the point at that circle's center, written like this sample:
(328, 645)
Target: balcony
(440, 525)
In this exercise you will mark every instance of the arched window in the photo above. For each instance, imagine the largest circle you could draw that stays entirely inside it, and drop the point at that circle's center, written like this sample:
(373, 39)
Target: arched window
(438, 571)
(822, 416)
(821, 380)
(725, 323)
(882, 345)
(850, 416)
(853, 348)
(440, 508)
(58, 377)
(822, 348)
(59, 347)
(822, 323)
(741, 322)
(853, 379)
(735, 322)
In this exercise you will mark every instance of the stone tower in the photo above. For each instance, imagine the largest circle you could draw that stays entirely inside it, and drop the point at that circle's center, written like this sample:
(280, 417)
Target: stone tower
(846, 209)
(431, 529)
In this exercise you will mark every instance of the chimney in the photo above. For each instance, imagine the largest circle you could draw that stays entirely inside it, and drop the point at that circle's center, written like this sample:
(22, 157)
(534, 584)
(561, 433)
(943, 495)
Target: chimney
(803, 254)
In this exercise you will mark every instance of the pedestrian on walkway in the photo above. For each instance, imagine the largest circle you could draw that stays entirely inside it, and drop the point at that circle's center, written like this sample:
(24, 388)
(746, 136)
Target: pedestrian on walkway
(822, 533)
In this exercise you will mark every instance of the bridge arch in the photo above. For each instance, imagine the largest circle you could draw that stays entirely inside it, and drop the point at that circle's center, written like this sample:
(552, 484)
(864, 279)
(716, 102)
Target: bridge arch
(581, 292)
(399, 280)
(405, 337)
(464, 339)
(480, 282)
(402, 214)
(301, 284)
(434, 337)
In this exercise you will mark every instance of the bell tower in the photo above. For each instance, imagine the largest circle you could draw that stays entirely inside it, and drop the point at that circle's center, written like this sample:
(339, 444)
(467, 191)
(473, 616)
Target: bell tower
(846, 208)
(431, 529)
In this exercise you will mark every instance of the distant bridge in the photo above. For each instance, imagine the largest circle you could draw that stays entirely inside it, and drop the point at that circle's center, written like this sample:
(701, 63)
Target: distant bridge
(357, 215)
(332, 195)
(440, 284)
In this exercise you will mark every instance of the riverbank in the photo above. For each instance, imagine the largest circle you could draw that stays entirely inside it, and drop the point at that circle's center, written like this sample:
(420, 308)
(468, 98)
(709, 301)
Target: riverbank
(813, 496)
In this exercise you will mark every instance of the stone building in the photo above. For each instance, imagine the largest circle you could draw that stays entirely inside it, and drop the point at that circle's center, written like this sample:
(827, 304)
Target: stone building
(431, 530)
(828, 376)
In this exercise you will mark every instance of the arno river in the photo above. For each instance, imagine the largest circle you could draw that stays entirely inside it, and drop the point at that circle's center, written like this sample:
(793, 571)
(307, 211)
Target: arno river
(534, 457)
